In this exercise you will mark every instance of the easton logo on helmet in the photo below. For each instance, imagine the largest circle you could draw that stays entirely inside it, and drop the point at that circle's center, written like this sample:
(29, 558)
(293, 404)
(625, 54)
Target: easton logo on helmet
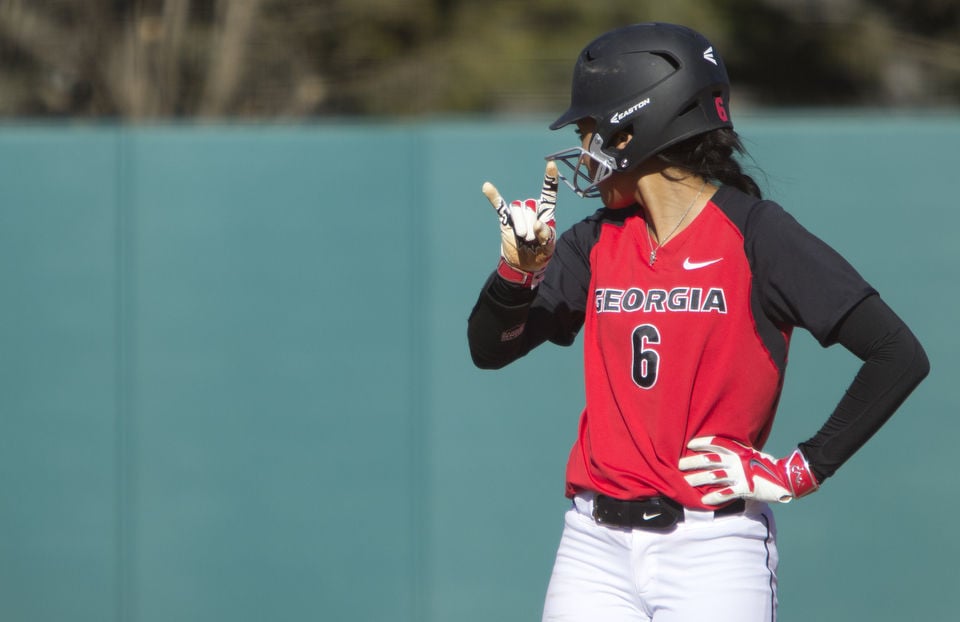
(708, 55)
(623, 114)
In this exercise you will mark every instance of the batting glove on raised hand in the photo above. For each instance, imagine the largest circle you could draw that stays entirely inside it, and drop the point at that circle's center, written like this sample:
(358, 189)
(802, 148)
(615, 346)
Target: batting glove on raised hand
(528, 231)
(732, 471)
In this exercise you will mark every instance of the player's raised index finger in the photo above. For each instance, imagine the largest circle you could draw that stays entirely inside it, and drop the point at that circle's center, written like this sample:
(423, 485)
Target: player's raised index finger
(493, 195)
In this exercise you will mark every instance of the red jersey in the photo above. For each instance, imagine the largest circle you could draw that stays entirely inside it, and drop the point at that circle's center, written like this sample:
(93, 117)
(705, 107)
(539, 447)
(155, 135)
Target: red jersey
(671, 352)
(693, 345)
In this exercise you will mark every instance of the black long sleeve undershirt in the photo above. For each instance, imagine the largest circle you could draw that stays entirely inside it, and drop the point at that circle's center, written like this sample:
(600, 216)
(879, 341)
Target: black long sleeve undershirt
(503, 327)
(894, 363)
(505, 324)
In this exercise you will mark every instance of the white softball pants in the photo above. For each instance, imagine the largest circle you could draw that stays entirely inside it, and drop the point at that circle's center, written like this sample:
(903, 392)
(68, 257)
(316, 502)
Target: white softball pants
(718, 569)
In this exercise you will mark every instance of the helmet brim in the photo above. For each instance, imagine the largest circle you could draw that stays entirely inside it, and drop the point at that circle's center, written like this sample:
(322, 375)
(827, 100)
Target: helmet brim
(568, 117)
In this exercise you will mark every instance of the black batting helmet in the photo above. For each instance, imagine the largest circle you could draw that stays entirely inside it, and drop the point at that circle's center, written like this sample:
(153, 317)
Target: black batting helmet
(661, 82)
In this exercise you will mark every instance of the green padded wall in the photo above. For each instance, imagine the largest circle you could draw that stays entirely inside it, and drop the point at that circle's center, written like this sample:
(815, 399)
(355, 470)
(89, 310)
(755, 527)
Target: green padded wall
(235, 382)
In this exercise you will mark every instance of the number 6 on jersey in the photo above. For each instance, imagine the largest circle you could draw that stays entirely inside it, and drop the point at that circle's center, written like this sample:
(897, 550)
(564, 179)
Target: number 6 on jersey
(646, 361)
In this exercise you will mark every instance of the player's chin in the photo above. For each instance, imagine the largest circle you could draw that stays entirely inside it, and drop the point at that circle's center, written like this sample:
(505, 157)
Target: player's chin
(613, 198)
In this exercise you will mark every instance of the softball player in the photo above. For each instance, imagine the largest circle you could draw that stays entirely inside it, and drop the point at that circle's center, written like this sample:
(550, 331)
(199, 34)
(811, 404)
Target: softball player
(687, 286)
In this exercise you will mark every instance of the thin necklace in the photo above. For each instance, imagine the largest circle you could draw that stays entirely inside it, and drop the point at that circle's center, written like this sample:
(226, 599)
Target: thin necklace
(650, 234)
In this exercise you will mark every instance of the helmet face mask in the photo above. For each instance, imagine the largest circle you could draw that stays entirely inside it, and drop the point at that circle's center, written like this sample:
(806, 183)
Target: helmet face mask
(589, 167)
(660, 83)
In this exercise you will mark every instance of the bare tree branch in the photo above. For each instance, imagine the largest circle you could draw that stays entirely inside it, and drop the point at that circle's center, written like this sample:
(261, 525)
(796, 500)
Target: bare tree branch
(230, 42)
(156, 59)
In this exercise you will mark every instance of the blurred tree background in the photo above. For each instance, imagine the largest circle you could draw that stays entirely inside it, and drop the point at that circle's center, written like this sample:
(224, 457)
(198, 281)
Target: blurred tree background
(294, 59)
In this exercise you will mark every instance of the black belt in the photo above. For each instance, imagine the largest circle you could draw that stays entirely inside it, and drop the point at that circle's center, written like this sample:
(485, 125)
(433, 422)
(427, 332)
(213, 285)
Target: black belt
(658, 513)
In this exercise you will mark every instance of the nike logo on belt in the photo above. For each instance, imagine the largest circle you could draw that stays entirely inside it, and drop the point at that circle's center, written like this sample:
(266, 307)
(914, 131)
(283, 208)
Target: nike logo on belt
(696, 265)
(651, 515)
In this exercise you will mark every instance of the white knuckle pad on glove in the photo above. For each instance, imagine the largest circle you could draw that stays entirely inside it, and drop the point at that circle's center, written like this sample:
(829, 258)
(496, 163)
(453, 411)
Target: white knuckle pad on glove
(523, 218)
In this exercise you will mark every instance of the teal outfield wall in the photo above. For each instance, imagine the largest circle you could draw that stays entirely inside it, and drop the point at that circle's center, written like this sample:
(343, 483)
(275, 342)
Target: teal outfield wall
(234, 383)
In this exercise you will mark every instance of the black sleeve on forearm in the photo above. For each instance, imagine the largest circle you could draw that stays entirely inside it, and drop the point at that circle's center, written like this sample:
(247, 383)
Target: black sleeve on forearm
(497, 324)
(508, 321)
(894, 363)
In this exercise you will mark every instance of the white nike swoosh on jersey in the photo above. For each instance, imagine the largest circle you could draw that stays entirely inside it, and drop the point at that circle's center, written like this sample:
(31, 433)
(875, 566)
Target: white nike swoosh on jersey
(651, 516)
(696, 265)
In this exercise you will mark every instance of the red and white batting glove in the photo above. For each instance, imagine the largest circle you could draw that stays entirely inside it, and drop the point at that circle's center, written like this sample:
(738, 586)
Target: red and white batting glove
(528, 231)
(732, 471)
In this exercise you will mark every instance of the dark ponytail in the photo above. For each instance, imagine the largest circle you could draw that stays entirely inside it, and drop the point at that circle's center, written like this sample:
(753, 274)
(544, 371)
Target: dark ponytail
(713, 156)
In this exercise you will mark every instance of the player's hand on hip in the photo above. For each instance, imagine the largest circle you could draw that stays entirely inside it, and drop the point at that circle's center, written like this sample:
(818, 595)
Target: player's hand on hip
(727, 470)
(528, 231)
